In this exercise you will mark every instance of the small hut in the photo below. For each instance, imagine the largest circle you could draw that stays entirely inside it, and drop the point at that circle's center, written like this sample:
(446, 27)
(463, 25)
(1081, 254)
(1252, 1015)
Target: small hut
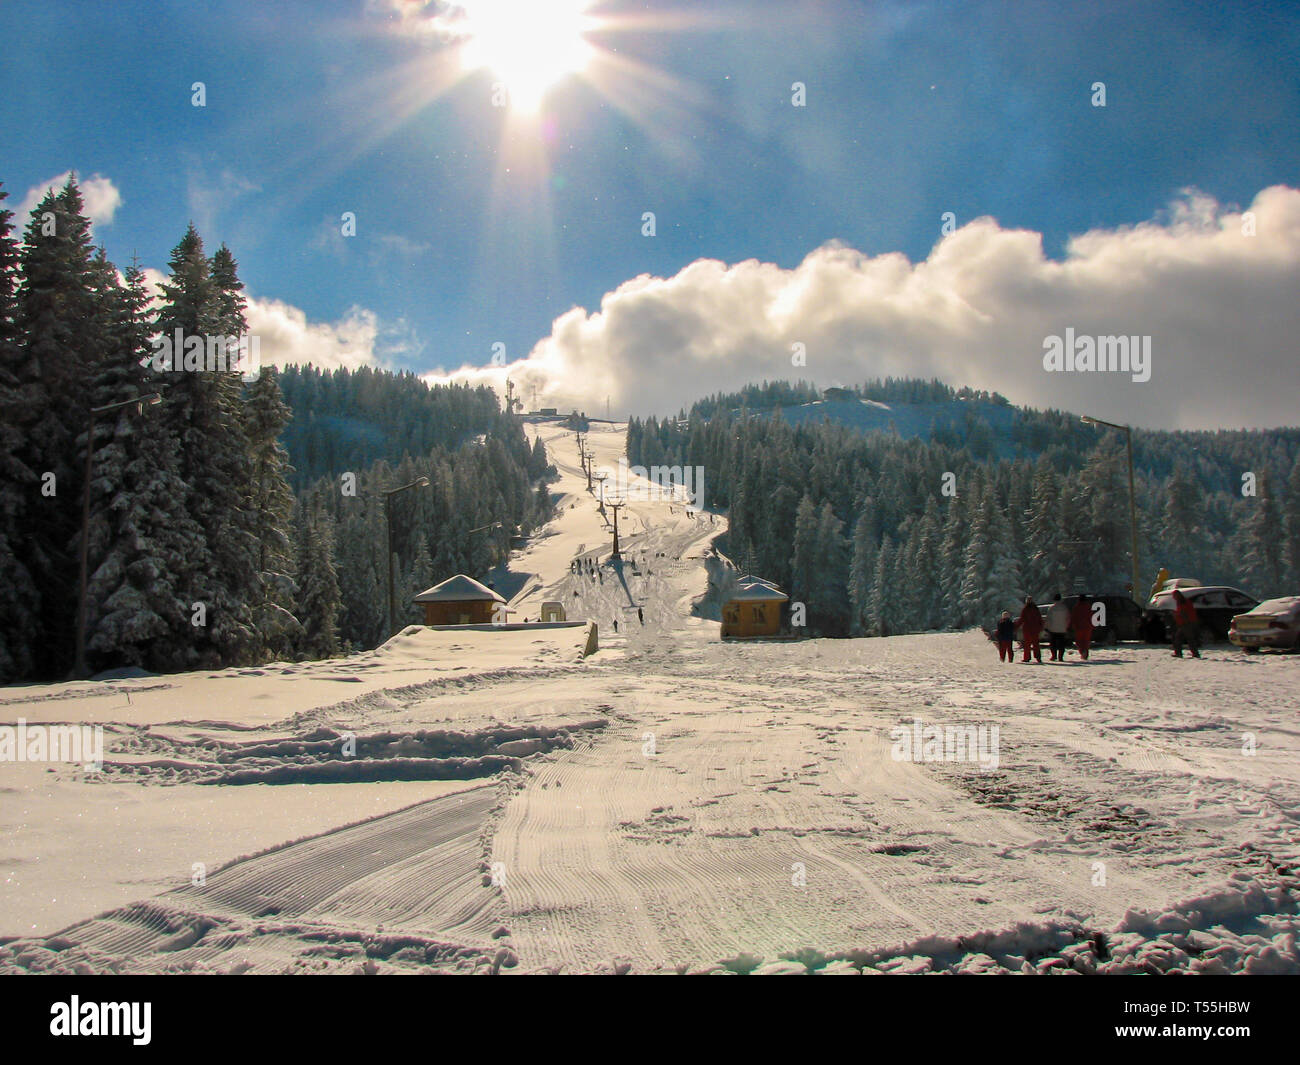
(459, 600)
(753, 609)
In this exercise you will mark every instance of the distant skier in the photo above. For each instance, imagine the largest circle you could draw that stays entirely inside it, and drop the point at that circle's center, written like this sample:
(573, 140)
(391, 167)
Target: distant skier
(1081, 620)
(1186, 626)
(1006, 636)
(640, 614)
(1058, 624)
(1030, 624)
(616, 624)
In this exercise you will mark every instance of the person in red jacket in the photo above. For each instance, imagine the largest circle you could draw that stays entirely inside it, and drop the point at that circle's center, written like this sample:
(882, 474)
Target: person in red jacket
(1030, 624)
(1081, 622)
(1187, 628)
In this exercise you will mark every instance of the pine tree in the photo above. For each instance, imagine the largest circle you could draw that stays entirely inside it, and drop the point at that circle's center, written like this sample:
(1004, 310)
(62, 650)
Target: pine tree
(1291, 524)
(202, 413)
(1264, 542)
(57, 319)
(265, 416)
(804, 583)
(418, 578)
(862, 568)
(19, 598)
(139, 532)
(879, 615)
(318, 604)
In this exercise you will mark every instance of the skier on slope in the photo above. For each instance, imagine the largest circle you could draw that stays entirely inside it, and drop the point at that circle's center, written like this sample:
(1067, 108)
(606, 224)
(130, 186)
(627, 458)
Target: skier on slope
(1030, 624)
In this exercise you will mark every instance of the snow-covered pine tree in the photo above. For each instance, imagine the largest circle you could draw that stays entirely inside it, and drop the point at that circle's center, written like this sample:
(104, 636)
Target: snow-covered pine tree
(318, 603)
(57, 318)
(832, 564)
(418, 578)
(201, 411)
(1182, 541)
(1291, 529)
(1264, 542)
(19, 598)
(139, 530)
(952, 561)
(925, 569)
(1044, 533)
(862, 568)
(265, 416)
(880, 600)
(803, 583)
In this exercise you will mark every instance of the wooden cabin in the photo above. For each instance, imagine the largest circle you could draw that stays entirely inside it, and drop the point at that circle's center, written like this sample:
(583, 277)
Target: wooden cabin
(459, 600)
(753, 609)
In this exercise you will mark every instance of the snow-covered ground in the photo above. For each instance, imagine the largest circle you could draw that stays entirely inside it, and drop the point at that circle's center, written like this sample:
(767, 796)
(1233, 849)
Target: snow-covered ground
(671, 803)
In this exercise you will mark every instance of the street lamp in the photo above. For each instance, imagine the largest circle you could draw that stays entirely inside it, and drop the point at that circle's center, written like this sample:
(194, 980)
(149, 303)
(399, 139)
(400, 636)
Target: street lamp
(152, 399)
(419, 482)
(1132, 494)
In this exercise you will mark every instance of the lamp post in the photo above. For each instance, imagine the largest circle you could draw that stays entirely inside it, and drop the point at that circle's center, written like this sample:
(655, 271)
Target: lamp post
(419, 482)
(1132, 493)
(151, 399)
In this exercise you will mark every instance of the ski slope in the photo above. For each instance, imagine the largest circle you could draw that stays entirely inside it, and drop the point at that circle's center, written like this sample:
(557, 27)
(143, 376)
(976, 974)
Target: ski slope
(668, 804)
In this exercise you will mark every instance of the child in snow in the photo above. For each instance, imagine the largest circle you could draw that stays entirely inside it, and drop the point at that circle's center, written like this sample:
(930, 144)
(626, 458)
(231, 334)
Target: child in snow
(1006, 635)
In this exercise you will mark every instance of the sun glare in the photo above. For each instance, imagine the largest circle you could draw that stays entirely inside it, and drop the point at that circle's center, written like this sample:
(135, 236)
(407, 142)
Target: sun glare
(530, 45)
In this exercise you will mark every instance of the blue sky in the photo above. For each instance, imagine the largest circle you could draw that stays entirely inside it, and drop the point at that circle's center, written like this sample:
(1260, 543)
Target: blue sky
(912, 110)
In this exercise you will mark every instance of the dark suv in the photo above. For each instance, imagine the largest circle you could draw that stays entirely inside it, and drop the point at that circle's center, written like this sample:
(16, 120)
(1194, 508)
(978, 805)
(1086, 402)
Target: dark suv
(1122, 616)
(1215, 609)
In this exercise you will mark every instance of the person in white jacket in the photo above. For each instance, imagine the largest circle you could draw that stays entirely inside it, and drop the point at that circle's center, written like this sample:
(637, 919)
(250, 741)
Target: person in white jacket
(1057, 624)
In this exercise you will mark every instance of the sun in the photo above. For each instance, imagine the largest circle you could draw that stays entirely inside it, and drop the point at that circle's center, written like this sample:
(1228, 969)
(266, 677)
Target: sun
(530, 45)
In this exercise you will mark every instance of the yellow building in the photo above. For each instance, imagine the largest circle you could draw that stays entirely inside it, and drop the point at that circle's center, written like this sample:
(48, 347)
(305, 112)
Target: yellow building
(753, 609)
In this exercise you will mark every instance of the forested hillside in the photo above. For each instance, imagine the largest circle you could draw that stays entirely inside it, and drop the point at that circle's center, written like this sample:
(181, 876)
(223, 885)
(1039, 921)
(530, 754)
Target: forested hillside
(198, 552)
(870, 531)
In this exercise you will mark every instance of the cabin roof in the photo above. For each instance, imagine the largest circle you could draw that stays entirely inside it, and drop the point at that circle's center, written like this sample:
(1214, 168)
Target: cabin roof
(458, 589)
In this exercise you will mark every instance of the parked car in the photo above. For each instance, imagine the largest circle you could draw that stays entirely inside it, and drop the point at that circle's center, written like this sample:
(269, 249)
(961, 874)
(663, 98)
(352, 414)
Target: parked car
(1274, 623)
(1123, 617)
(1216, 606)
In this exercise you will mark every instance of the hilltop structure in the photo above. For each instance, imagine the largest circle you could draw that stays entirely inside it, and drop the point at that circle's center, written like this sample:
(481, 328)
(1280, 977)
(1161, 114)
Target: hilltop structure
(459, 600)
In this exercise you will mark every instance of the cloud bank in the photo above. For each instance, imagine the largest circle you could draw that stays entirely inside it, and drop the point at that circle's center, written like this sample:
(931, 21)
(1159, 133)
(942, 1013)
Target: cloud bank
(1215, 288)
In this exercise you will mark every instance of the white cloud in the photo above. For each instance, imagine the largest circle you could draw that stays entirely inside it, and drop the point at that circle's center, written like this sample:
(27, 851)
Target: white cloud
(1221, 308)
(285, 336)
(99, 195)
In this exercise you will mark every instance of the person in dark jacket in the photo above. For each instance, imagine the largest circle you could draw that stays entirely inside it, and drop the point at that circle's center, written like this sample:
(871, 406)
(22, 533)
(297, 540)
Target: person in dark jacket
(1006, 637)
(1187, 628)
(1030, 624)
(1081, 621)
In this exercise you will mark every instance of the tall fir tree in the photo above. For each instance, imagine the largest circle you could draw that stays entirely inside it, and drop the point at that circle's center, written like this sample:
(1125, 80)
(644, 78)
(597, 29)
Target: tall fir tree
(202, 414)
(265, 417)
(139, 532)
(58, 319)
(19, 597)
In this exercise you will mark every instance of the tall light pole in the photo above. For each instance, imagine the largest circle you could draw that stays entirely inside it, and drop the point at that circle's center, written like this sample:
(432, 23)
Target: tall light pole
(151, 399)
(1132, 494)
(419, 482)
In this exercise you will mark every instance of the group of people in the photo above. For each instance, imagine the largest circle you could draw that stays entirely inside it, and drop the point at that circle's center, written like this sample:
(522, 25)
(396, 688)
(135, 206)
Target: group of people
(1061, 619)
(1057, 623)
